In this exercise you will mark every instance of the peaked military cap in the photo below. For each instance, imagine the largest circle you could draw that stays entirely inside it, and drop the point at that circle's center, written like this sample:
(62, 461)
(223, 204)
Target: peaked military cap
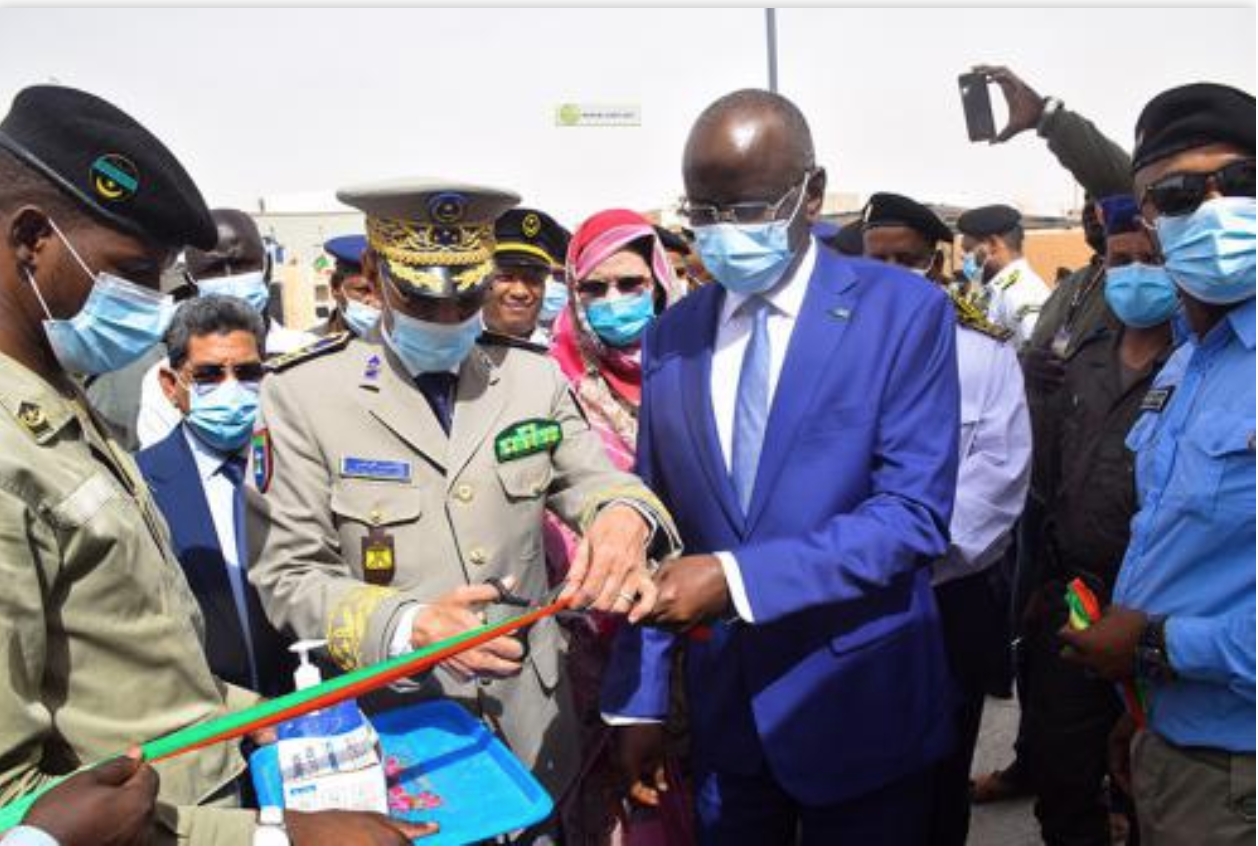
(347, 250)
(887, 209)
(1193, 116)
(104, 159)
(529, 236)
(434, 238)
(986, 221)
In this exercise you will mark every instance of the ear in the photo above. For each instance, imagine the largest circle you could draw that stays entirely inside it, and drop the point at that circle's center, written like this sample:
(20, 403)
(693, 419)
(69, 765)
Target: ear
(29, 233)
(816, 194)
(171, 387)
(935, 271)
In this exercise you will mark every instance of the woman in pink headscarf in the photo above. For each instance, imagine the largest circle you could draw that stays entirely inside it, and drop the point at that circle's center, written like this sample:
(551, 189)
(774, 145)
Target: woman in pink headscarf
(620, 279)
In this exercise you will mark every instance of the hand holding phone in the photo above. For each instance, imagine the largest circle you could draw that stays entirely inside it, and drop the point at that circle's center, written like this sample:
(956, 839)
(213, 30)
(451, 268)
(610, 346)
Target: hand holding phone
(978, 106)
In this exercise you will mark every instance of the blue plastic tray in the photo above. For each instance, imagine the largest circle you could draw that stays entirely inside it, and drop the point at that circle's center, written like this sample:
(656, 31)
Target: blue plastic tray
(485, 790)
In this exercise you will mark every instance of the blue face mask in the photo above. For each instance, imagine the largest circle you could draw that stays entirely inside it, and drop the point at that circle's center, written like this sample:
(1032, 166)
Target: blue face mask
(1210, 253)
(223, 416)
(622, 321)
(748, 258)
(426, 347)
(119, 322)
(970, 268)
(250, 287)
(553, 301)
(1140, 295)
(360, 317)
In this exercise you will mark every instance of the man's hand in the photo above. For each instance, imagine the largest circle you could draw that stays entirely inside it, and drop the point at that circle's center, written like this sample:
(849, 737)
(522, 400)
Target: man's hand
(692, 589)
(609, 572)
(1025, 106)
(352, 828)
(109, 805)
(1042, 369)
(1108, 647)
(1120, 752)
(640, 753)
(456, 613)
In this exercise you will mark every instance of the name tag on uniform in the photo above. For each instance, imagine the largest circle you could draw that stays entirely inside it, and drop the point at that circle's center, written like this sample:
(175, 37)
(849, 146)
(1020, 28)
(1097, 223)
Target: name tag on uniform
(372, 468)
(1156, 399)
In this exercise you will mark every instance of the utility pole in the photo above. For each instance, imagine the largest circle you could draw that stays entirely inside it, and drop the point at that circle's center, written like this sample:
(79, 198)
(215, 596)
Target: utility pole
(771, 33)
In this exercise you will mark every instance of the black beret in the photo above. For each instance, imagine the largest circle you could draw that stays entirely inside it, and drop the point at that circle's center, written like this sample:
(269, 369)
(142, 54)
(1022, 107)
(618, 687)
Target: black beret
(672, 241)
(531, 237)
(886, 209)
(985, 221)
(104, 159)
(1193, 116)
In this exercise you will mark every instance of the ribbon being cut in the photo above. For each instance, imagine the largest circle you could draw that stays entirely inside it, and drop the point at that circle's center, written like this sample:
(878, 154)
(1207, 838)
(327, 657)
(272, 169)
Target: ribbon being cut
(349, 686)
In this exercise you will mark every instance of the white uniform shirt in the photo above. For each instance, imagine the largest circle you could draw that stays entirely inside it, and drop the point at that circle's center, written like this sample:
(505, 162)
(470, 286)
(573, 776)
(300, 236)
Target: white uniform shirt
(995, 455)
(1017, 294)
(158, 416)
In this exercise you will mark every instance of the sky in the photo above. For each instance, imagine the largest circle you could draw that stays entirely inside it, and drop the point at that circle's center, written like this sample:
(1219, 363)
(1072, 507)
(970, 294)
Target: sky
(290, 104)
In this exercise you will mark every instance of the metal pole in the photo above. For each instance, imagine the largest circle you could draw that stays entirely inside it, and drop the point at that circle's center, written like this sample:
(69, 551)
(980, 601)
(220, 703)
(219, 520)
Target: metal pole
(771, 33)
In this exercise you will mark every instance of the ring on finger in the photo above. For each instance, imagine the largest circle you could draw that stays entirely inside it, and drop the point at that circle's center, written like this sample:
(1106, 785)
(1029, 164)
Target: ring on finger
(627, 597)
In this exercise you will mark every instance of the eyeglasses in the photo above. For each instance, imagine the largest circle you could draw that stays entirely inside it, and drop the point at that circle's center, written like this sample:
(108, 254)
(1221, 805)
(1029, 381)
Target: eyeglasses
(1181, 193)
(708, 214)
(597, 288)
(215, 374)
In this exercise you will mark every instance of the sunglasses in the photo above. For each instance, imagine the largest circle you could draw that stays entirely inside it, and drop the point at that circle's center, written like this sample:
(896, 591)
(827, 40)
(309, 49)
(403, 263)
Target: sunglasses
(1181, 193)
(215, 374)
(597, 288)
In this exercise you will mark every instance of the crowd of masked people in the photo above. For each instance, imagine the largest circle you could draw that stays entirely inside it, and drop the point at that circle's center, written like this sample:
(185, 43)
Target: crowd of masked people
(812, 496)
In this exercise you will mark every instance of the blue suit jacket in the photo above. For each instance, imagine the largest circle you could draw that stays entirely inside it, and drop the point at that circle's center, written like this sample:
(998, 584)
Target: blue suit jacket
(841, 684)
(172, 475)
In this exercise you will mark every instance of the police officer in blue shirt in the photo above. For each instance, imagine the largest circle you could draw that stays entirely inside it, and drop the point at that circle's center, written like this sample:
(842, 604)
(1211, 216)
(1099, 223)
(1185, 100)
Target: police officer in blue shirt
(1181, 628)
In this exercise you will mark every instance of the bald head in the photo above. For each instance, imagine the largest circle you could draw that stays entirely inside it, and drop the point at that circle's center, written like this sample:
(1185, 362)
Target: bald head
(749, 133)
(239, 248)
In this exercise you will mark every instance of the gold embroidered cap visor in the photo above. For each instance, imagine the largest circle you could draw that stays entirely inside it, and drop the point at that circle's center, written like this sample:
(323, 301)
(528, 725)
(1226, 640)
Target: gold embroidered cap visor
(435, 237)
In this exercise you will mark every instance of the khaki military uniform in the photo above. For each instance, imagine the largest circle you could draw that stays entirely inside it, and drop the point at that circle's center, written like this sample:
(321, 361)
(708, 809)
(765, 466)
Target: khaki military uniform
(359, 464)
(101, 635)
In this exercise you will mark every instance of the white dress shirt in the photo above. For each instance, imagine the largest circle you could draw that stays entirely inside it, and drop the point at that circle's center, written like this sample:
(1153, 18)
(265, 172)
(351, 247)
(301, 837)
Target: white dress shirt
(219, 495)
(995, 455)
(158, 416)
(733, 332)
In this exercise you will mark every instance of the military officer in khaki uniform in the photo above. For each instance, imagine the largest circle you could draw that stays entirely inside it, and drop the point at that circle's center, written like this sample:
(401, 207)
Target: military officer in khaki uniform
(101, 635)
(395, 478)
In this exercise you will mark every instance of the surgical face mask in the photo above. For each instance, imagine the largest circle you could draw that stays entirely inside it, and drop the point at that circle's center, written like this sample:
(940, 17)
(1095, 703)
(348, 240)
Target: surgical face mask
(971, 268)
(223, 415)
(1210, 253)
(119, 322)
(620, 322)
(360, 317)
(1140, 295)
(250, 287)
(553, 301)
(748, 258)
(427, 347)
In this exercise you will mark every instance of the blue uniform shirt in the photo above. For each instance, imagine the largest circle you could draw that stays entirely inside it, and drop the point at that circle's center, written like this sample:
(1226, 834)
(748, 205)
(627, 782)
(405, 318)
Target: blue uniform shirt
(1191, 555)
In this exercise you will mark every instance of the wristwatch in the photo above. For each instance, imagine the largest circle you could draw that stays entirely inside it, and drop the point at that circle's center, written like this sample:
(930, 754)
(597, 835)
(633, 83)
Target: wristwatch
(1153, 663)
(271, 830)
(1051, 107)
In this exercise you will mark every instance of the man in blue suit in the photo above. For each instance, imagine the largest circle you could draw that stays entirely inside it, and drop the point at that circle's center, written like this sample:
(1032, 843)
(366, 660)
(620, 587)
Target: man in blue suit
(799, 420)
(196, 473)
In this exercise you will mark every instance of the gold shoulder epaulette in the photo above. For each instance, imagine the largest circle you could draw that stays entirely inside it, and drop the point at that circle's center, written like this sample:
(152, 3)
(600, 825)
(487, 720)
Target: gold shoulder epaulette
(971, 318)
(495, 339)
(323, 346)
(1011, 281)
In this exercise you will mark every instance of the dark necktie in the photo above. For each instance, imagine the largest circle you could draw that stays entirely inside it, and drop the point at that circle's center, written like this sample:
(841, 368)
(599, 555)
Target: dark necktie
(233, 470)
(438, 389)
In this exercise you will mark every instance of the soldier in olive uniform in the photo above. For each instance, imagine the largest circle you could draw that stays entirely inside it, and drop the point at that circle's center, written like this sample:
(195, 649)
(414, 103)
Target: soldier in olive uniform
(101, 635)
(394, 479)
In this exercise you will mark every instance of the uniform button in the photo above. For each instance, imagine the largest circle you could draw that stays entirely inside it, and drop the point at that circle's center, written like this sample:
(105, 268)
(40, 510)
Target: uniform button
(376, 516)
(539, 489)
(478, 556)
(463, 493)
(484, 682)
